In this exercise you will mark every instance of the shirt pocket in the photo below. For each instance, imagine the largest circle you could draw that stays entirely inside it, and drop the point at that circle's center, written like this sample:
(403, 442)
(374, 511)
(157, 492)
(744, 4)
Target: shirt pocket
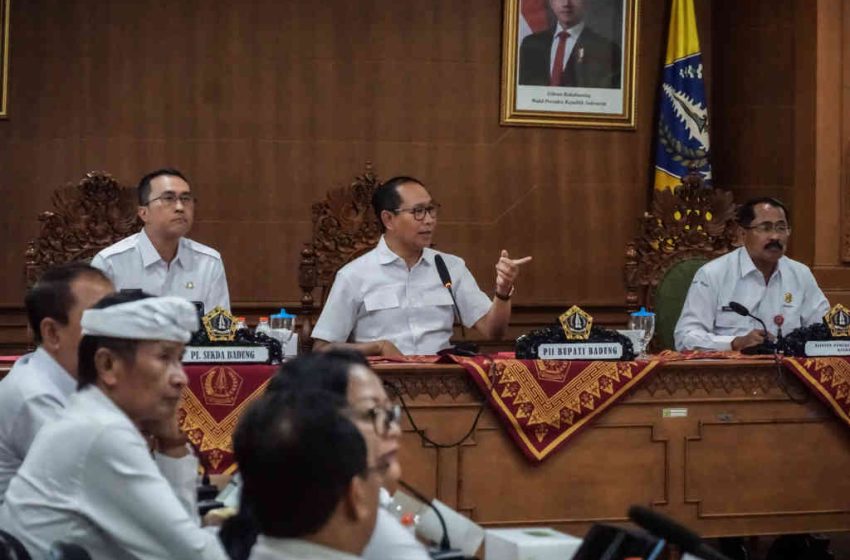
(727, 322)
(435, 298)
(378, 300)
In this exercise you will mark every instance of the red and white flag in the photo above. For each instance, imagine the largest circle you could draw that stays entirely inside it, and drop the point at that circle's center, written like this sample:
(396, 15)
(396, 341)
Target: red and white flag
(533, 17)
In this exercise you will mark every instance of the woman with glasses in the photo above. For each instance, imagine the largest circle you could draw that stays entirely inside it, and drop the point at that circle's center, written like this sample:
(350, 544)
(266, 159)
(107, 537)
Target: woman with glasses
(347, 373)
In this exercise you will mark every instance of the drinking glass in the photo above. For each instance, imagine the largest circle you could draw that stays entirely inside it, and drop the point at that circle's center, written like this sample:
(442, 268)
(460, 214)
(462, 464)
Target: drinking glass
(644, 322)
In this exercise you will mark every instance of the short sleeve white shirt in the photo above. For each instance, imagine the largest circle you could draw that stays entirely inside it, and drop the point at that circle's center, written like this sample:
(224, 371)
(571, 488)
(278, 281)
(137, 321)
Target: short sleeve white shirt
(34, 393)
(196, 273)
(377, 297)
(89, 479)
(707, 322)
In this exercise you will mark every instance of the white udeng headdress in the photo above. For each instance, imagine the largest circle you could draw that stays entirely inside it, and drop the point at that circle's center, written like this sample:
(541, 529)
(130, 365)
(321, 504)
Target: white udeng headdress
(155, 318)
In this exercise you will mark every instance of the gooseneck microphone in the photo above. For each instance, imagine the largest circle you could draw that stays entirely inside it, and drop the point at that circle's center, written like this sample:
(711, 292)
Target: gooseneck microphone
(445, 550)
(663, 527)
(741, 310)
(446, 279)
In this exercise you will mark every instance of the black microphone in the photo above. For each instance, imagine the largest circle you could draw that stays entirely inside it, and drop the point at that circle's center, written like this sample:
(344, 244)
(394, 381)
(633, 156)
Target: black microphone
(446, 279)
(741, 310)
(674, 533)
(767, 344)
(445, 550)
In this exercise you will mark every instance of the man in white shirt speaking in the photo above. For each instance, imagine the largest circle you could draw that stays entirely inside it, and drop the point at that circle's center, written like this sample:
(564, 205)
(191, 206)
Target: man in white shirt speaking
(160, 260)
(37, 389)
(90, 477)
(392, 300)
(759, 276)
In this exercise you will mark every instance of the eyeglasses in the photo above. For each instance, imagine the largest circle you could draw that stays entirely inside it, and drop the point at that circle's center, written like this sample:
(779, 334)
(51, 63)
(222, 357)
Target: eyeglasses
(380, 468)
(170, 199)
(420, 211)
(769, 227)
(382, 418)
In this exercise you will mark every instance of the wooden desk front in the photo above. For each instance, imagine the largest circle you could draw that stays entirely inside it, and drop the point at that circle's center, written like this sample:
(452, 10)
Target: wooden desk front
(744, 459)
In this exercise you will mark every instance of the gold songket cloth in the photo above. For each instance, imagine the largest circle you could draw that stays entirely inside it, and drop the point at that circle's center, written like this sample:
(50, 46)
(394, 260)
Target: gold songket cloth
(828, 378)
(544, 403)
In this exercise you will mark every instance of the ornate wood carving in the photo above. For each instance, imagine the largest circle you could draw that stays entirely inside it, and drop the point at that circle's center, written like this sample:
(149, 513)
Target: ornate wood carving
(344, 227)
(86, 217)
(454, 384)
(690, 221)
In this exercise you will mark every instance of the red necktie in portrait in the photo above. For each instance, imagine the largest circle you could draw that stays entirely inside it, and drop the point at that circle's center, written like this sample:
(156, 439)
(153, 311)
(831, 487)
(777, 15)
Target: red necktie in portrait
(558, 67)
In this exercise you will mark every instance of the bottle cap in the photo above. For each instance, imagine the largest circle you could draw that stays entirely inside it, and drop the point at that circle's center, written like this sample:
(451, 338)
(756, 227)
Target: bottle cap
(643, 313)
(264, 318)
(284, 315)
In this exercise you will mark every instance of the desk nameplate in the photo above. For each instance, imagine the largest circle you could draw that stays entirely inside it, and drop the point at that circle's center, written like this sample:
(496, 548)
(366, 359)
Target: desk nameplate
(822, 348)
(226, 354)
(580, 351)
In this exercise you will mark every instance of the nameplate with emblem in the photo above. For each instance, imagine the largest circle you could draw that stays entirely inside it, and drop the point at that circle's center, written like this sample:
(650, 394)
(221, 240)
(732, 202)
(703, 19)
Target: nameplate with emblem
(226, 354)
(822, 348)
(580, 351)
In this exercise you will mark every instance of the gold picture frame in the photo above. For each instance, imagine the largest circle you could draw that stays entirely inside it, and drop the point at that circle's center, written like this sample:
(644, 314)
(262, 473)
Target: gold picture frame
(597, 82)
(4, 57)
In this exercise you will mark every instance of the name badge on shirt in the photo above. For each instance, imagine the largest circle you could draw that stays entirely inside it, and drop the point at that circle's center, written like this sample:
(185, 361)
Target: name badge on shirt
(727, 308)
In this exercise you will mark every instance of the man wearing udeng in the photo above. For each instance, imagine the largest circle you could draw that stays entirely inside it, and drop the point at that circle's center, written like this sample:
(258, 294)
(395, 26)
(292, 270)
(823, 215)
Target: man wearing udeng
(391, 300)
(758, 276)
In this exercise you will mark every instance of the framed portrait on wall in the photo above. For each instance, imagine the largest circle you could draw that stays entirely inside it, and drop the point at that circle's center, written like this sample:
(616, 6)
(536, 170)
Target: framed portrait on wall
(4, 57)
(569, 63)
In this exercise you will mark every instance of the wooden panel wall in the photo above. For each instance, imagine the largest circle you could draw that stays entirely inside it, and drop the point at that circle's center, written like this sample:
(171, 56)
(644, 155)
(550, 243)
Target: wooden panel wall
(266, 104)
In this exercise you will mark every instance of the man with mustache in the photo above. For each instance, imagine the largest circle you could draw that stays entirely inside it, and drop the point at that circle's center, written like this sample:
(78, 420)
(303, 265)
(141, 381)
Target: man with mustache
(391, 301)
(758, 276)
(160, 260)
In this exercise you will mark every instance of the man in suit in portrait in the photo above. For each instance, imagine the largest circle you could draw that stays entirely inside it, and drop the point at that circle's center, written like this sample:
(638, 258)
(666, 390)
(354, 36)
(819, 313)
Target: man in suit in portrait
(570, 54)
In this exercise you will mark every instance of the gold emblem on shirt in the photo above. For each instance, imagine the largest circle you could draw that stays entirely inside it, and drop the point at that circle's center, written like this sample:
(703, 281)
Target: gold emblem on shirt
(788, 297)
(190, 285)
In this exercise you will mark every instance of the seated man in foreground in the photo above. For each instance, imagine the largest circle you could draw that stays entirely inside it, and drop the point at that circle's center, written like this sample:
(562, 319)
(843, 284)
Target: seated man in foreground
(325, 505)
(160, 259)
(37, 389)
(758, 276)
(392, 301)
(90, 477)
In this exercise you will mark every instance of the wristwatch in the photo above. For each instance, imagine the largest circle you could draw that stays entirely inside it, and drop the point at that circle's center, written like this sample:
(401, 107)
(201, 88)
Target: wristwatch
(505, 297)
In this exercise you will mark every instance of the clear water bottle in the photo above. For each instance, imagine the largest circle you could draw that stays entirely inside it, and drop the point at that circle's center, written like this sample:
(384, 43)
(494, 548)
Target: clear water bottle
(240, 323)
(263, 326)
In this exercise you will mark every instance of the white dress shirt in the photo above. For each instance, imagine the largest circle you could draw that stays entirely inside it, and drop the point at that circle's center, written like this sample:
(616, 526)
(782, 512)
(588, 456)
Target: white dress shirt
(196, 273)
(270, 548)
(89, 479)
(707, 323)
(391, 539)
(34, 393)
(376, 297)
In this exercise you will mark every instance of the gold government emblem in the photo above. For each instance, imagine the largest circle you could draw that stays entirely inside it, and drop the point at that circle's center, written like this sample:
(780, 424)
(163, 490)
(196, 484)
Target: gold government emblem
(220, 325)
(221, 386)
(838, 321)
(788, 297)
(576, 323)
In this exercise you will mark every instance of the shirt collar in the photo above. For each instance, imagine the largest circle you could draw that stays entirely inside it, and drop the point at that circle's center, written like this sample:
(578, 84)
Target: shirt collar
(748, 266)
(96, 401)
(299, 548)
(151, 256)
(386, 255)
(574, 31)
(44, 362)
